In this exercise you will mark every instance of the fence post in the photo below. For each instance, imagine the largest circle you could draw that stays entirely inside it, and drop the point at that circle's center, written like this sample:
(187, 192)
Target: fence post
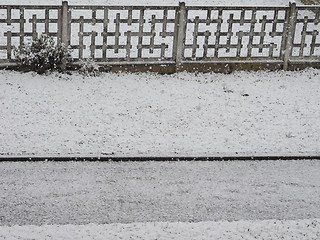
(290, 34)
(64, 29)
(181, 35)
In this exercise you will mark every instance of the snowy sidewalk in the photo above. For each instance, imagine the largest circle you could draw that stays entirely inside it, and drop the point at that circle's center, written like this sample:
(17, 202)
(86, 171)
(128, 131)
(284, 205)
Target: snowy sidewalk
(269, 229)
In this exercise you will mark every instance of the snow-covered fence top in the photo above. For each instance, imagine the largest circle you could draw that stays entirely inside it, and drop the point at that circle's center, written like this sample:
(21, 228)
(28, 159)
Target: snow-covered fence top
(173, 34)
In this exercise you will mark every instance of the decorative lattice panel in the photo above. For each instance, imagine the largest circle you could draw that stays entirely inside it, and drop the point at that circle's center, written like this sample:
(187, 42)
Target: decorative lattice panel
(247, 32)
(150, 34)
(20, 24)
(123, 33)
(306, 41)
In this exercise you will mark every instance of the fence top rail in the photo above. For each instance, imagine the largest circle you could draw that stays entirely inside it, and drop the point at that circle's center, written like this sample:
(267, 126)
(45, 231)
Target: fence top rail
(199, 7)
(30, 6)
(79, 7)
(309, 7)
(262, 8)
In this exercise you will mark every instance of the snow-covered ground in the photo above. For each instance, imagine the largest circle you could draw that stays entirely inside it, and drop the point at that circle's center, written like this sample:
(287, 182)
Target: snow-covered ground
(145, 114)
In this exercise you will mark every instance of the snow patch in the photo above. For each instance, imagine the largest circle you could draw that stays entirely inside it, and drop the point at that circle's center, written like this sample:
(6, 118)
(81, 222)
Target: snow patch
(268, 229)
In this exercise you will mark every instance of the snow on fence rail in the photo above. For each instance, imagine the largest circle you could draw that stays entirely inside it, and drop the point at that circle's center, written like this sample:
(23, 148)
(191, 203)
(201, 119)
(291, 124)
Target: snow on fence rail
(176, 34)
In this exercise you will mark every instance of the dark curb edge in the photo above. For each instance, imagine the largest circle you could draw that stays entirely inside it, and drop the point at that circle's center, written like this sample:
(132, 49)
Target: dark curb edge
(155, 159)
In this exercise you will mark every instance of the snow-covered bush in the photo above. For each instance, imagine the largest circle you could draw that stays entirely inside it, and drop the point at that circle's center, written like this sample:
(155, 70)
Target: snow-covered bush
(88, 67)
(43, 54)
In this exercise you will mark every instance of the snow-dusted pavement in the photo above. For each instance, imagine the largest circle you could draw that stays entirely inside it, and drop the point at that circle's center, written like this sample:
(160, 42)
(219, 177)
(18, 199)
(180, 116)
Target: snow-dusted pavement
(108, 192)
(160, 200)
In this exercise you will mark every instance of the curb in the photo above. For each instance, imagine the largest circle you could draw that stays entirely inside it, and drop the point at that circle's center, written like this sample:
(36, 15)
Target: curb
(156, 159)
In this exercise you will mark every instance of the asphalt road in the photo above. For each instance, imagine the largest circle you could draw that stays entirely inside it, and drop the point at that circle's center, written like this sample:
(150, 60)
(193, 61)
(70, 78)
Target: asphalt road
(111, 192)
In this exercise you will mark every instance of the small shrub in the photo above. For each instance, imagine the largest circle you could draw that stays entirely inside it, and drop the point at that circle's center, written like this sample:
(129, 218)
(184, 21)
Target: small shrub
(43, 54)
(88, 67)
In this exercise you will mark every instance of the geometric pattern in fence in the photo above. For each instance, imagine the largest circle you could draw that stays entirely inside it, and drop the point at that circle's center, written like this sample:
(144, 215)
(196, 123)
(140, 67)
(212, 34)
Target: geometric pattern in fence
(20, 24)
(118, 34)
(123, 33)
(234, 32)
(306, 40)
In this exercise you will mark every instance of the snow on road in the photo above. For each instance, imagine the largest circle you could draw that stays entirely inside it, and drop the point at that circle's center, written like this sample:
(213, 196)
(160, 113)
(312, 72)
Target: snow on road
(160, 200)
(267, 230)
(109, 192)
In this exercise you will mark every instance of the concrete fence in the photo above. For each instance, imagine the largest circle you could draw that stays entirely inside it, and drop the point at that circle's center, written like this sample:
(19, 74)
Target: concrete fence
(172, 38)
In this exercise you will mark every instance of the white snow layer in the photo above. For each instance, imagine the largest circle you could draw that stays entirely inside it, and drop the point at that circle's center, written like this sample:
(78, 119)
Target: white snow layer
(154, 2)
(268, 229)
(184, 114)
